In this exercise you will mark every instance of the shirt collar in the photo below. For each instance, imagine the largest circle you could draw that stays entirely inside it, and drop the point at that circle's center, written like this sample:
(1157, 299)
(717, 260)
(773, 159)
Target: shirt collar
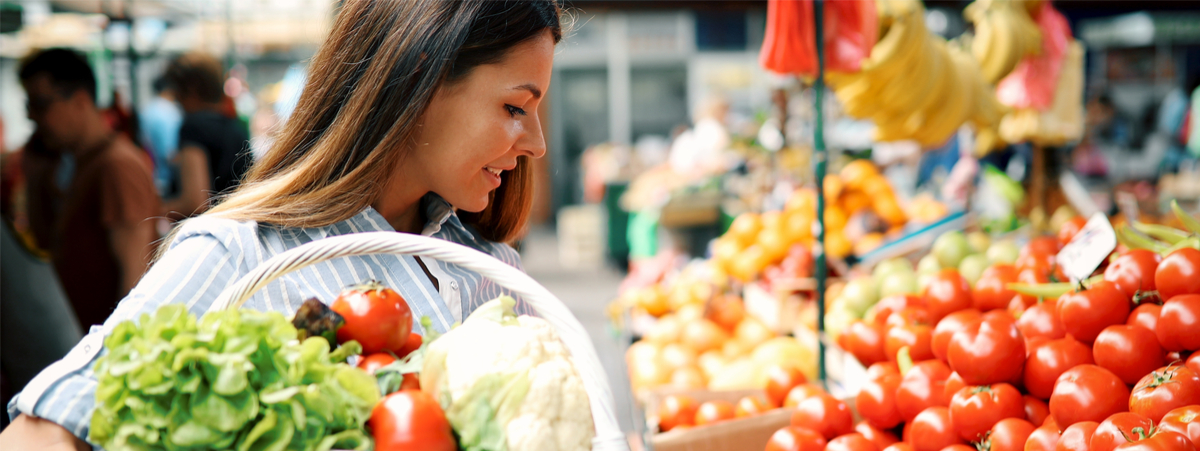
(437, 213)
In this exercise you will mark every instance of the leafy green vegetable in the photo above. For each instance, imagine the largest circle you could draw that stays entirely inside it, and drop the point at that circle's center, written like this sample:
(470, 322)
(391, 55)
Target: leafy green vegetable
(232, 380)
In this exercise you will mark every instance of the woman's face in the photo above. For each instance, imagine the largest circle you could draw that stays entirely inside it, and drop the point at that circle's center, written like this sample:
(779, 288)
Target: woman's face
(476, 127)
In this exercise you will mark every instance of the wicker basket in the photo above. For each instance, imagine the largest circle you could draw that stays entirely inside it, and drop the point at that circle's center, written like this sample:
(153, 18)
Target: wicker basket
(574, 337)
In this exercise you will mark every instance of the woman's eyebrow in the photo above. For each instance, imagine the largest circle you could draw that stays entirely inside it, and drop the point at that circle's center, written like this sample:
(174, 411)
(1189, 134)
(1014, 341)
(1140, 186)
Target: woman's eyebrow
(537, 93)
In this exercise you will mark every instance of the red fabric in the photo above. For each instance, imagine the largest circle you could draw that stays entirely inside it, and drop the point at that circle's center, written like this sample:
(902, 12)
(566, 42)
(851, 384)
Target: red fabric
(849, 32)
(1033, 82)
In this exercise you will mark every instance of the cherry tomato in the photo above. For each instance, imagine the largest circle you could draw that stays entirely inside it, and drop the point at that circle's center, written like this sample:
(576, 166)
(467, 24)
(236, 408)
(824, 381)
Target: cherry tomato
(880, 369)
(954, 383)
(792, 438)
(1179, 273)
(1118, 429)
(1087, 393)
(1044, 438)
(974, 410)
(931, 430)
(917, 337)
(865, 341)
(895, 303)
(946, 293)
(1145, 315)
(1130, 352)
(375, 361)
(376, 317)
(1133, 271)
(946, 328)
(1050, 360)
(1178, 326)
(414, 341)
(675, 411)
(1041, 321)
(801, 392)
(1184, 420)
(851, 442)
(1160, 441)
(876, 402)
(411, 419)
(750, 406)
(989, 352)
(1036, 410)
(1165, 389)
(1009, 434)
(1084, 314)
(1070, 228)
(991, 290)
(824, 414)
(780, 380)
(1077, 437)
(881, 438)
(714, 411)
(923, 386)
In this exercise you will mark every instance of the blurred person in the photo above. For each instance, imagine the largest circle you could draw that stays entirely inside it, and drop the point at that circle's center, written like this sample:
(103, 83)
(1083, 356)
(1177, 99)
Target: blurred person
(100, 239)
(213, 144)
(160, 122)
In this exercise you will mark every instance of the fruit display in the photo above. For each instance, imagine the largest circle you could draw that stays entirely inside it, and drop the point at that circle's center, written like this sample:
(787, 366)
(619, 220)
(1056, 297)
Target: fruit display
(1005, 33)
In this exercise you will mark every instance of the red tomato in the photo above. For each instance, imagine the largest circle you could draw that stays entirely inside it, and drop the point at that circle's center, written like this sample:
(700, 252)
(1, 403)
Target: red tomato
(974, 410)
(1193, 362)
(376, 317)
(931, 430)
(1118, 429)
(714, 412)
(959, 447)
(895, 303)
(878, 370)
(954, 383)
(750, 406)
(865, 341)
(1178, 326)
(1041, 321)
(1036, 410)
(780, 380)
(946, 293)
(414, 341)
(908, 316)
(876, 402)
(851, 442)
(923, 386)
(410, 382)
(1145, 315)
(1084, 314)
(1077, 437)
(1009, 434)
(1070, 228)
(1165, 389)
(1044, 438)
(675, 411)
(411, 419)
(1050, 360)
(1042, 245)
(990, 352)
(1017, 306)
(901, 446)
(946, 328)
(881, 438)
(1087, 393)
(792, 438)
(1179, 273)
(801, 392)
(375, 361)
(1133, 271)
(1130, 352)
(824, 414)
(1160, 441)
(917, 337)
(991, 290)
(1037, 274)
(1184, 420)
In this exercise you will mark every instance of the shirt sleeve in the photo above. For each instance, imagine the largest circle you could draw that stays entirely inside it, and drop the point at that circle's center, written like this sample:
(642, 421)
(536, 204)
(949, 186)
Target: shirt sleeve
(127, 194)
(194, 271)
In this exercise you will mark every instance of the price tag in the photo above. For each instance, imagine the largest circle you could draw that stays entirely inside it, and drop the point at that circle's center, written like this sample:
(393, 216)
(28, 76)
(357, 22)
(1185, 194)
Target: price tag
(1088, 249)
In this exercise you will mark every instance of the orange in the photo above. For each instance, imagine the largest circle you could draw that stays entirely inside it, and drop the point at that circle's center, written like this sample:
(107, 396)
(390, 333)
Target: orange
(702, 335)
(774, 243)
(652, 300)
(752, 332)
(665, 330)
(678, 356)
(835, 219)
(837, 245)
(725, 249)
(803, 199)
(688, 378)
(853, 201)
(857, 172)
(799, 226)
(749, 263)
(772, 220)
(727, 312)
(649, 374)
(745, 228)
(877, 186)
(711, 363)
(868, 243)
(833, 186)
(889, 210)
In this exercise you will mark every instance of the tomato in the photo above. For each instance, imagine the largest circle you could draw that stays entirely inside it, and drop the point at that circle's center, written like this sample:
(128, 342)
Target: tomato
(1017, 306)
(414, 341)
(851, 442)
(1165, 389)
(881, 438)
(946, 293)
(411, 419)
(1009, 434)
(1118, 429)
(878, 370)
(1036, 410)
(375, 361)
(959, 447)
(1036, 274)
(1130, 352)
(1044, 438)
(1179, 323)
(780, 380)
(901, 446)
(1077, 437)
(954, 383)
(876, 402)
(1145, 315)
(931, 430)
(1070, 228)
(750, 406)
(989, 352)
(923, 386)
(675, 411)
(1160, 441)
(1184, 420)
(1087, 393)
(908, 316)
(948, 326)
(1179, 273)
(714, 411)
(1084, 314)
(1050, 360)
(792, 438)
(991, 290)
(410, 381)
(801, 392)
(1042, 245)
(974, 410)
(1041, 321)
(824, 414)
(376, 317)
(1133, 271)
(917, 337)
(895, 303)
(865, 341)
(1193, 362)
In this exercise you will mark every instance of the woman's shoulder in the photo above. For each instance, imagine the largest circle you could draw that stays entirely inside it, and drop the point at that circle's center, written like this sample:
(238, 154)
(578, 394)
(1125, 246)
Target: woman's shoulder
(235, 236)
(455, 230)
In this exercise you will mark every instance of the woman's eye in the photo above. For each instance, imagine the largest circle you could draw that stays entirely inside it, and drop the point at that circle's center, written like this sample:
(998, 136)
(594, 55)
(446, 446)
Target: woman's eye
(513, 111)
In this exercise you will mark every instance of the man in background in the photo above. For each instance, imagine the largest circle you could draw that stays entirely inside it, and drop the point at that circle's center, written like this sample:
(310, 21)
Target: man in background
(102, 239)
(161, 119)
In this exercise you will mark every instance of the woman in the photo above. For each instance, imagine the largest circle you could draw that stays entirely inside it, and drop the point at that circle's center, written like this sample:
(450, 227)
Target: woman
(413, 109)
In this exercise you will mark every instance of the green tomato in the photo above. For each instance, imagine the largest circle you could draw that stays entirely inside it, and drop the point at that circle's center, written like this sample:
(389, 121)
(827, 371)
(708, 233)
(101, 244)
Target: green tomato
(1003, 252)
(979, 242)
(898, 283)
(891, 266)
(923, 281)
(951, 248)
(928, 265)
(859, 295)
(836, 321)
(972, 267)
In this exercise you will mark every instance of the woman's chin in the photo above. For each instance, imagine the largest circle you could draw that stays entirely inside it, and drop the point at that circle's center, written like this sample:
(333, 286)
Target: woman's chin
(474, 205)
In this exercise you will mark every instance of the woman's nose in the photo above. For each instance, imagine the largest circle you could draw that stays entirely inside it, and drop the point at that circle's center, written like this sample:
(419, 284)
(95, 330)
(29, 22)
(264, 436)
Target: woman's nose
(532, 143)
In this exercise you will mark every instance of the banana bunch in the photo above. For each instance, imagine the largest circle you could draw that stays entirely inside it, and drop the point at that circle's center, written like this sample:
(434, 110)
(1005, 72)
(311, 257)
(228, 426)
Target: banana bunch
(1004, 34)
(1160, 238)
(1063, 122)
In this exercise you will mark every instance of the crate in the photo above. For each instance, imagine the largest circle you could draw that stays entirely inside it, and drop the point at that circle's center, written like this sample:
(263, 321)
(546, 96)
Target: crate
(581, 236)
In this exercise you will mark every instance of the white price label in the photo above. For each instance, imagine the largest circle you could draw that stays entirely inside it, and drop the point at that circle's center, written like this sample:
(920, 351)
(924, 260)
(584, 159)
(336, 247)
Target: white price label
(1088, 249)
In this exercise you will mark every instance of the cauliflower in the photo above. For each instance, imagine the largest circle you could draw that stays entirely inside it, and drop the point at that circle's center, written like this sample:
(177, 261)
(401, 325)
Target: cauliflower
(508, 384)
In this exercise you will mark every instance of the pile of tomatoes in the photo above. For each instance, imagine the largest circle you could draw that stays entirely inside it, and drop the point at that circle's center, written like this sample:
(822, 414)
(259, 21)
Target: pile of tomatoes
(1111, 364)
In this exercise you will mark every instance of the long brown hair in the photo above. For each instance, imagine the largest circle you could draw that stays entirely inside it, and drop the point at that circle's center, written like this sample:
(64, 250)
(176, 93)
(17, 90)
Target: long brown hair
(368, 85)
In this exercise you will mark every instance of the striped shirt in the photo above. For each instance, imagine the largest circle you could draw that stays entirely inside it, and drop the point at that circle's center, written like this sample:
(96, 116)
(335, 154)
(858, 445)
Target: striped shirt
(208, 254)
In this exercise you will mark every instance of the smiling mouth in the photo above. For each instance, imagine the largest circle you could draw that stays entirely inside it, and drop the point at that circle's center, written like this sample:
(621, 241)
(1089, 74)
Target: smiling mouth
(494, 171)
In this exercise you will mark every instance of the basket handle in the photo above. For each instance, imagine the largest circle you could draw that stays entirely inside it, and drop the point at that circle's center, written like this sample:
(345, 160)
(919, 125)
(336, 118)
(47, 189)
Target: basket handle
(574, 336)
